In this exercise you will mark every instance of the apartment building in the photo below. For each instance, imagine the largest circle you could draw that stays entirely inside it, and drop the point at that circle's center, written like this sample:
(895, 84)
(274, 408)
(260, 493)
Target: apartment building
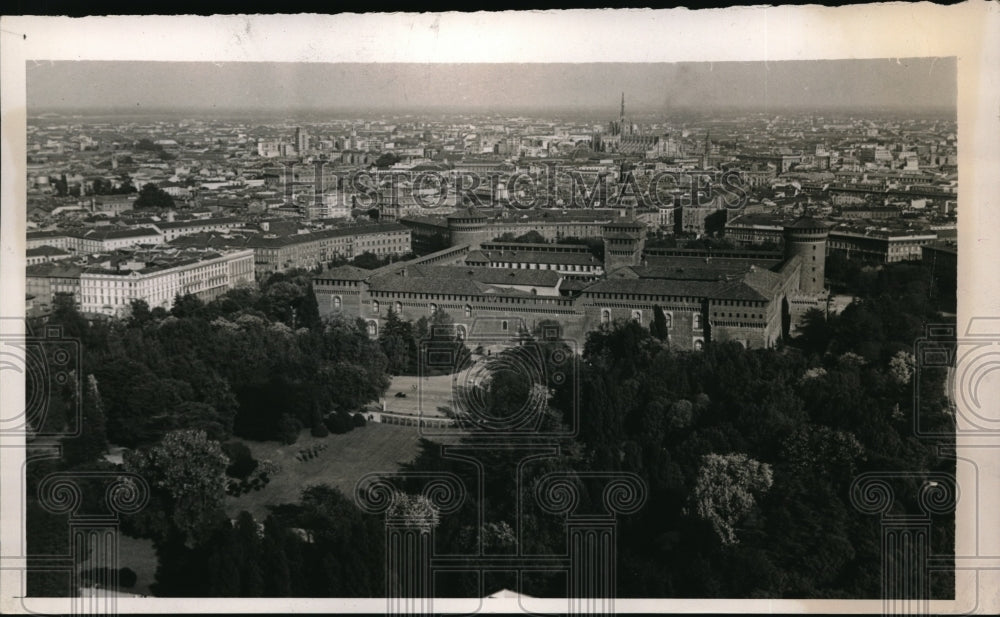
(208, 275)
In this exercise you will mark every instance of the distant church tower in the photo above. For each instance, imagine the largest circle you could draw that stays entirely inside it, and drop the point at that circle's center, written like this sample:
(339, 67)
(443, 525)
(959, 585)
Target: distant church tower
(708, 149)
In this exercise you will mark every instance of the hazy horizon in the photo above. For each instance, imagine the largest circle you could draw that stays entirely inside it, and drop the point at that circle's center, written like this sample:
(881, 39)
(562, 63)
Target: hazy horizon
(916, 84)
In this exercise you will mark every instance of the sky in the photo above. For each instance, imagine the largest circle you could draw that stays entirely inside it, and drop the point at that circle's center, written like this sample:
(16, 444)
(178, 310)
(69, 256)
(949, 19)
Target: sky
(914, 83)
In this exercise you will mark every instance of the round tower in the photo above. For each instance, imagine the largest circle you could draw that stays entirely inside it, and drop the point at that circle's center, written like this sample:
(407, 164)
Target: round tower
(806, 237)
(468, 226)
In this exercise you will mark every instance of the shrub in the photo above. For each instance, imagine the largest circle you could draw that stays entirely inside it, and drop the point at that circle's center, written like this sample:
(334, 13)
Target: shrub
(241, 461)
(288, 429)
(340, 422)
(359, 419)
(320, 430)
(127, 577)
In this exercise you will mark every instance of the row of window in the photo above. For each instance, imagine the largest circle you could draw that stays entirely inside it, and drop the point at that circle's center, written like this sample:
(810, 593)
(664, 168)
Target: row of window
(538, 266)
(636, 315)
(737, 315)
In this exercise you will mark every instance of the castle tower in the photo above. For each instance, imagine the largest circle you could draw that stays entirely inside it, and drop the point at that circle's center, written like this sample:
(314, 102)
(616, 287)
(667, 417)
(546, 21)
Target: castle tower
(806, 238)
(624, 242)
(468, 226)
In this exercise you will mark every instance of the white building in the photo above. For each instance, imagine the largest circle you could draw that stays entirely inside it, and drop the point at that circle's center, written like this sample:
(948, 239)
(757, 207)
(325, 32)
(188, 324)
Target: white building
(269, 148)
(111, 292)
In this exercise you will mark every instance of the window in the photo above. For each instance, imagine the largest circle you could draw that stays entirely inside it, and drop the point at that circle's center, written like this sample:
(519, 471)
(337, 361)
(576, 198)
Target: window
(669, 317)
(433, 308)
(696, 321)
(605, 316)
(504, 325)
(398, 308)
(637, 316)
(468, 310)
(375, 307)
(372, 328)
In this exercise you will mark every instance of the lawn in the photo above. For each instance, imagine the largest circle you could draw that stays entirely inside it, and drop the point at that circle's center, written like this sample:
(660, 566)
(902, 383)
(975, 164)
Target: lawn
(424, 395)
(139, 555)
(347, 457)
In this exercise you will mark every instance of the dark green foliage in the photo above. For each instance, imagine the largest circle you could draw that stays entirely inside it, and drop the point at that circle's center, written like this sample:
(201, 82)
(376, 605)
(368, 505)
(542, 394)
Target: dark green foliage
(658, 327)
(815, 331)
(288, 429)
(596, 245)
(409, 345)
(153, 197)
(386, 160)
(127, 577)
(815, 421)
(103, 186)
(241, 461)
(47, 535)
(256, 364)
(231, 366)
(339, 422)
(531, 237)
(186, 472)
(92, 442)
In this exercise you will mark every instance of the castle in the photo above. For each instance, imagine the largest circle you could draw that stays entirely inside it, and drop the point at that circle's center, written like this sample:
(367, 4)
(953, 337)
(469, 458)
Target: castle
(493, 289)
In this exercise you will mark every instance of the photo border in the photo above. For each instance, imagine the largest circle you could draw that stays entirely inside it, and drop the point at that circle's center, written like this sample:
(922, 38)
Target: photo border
(968, 32)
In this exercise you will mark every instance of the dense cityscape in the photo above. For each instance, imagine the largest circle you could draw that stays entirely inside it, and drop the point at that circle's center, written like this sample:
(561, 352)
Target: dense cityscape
(722, 308)
(107, 199)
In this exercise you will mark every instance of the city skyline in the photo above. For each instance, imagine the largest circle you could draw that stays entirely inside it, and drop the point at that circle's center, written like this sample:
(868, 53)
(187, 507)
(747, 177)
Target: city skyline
(915, 84)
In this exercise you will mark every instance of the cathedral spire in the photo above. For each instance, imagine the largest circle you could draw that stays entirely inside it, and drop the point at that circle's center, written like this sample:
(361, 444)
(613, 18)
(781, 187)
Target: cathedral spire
(621, 115)
(708, 149)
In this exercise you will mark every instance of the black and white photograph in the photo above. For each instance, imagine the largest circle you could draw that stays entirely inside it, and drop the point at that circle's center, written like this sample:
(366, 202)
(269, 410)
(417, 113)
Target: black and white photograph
(448, 335)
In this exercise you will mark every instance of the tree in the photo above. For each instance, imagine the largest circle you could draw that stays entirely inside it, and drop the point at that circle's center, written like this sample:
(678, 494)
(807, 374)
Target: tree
(187, 472)
(186, 305)
(139, 314)
(680, 415)
(658, 327)
(153, 197)
(396, 341)
(65, 314)
(241, 460)
(901, 367)
(727, 489)
(288, 429)
(127, 577)
(818, 452)
(815, 331)
(416, 510)
(61, 186)
(386, 160)
(93, 440)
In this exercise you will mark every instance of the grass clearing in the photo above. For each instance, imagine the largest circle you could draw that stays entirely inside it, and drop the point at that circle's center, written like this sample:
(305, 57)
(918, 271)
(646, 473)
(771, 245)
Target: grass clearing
(347, 457)
(137, 554)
